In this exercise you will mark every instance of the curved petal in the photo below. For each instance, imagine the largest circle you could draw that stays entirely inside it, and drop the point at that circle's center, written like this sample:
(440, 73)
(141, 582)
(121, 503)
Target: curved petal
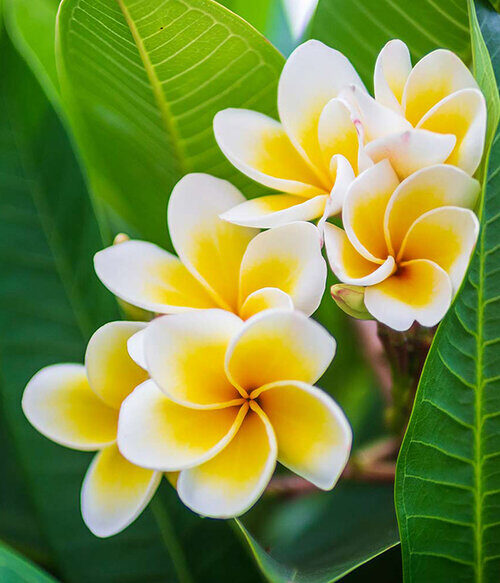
(154, 432)
(348, 265)
(420, 290)
(275, 210)
(312, 75)
(231, 482)
(462, 114)
(208, 246)
(337, 134)
(278, 345)
(433, 78)
(60, 404)
(391, 72)
(265, 299)
(428, 188)
(313, 434)
(445, 235)
(185, 357)
(364, 209)
(135, 347)
(111, 372)
(344, 176)
(259, 147)
(145, 275)
(376, 119)
(115, 492)
(412, 150)
(288, 258)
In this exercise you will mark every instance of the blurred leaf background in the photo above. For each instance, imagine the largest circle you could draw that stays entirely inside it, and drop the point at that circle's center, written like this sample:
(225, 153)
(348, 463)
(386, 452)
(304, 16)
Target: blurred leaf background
(101, 116)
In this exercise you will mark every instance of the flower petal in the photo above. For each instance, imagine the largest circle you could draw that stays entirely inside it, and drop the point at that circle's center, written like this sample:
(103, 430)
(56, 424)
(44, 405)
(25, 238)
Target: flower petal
(231, 482)
(412, 150)
(423, 191)
(154, 432)
(391, 72)
(265, 299)
(312, 75)
(313, 434)
(208, 246)
(462, 114)
(185, 357)
(288, 258)
(337, 134)
(275, 210)
(364, 209)
(147, 276)
(111, 372)
(344, 176)
(60, 404)
(420, 290)
(445, 235)
(376, 119)
(115, 492)
(433, 78)
(348, 265)
(258, 146)
(135, 347)
(278, 345)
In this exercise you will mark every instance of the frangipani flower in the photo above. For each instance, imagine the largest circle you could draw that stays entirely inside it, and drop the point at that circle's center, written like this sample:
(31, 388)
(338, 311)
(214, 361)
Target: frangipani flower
(409, 243)
(430, 114)
(228, 398)
(219, 265)
(315, 151)
(77, 406)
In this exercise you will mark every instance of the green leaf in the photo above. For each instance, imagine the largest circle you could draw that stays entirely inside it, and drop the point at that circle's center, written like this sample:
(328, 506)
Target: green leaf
(320, 538)
(448, 481)
(142, 82)
(16, 569)
(361, 28)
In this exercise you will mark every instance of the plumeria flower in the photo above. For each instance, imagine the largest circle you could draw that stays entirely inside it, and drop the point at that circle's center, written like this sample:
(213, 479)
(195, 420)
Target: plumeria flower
(220, 265)
(312, 155)
(228, 398)
(408, 242)
(430, 114)
(77, 406)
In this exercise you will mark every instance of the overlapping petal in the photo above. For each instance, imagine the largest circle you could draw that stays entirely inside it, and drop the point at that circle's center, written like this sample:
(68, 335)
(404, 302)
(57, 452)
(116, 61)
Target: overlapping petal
(111, 373)
(313, 434)
(265, 299)
(60, 404)
(259, 147)
(445, 235)
(115, 492)
(147, 276)
(154, 432)
(441, 185)
(231, 482)
(391, 72)
(348, 265)
(278, 345)
(312, 75)
(288, 258)
(364, 209)
(274, 210)
(209, 247)
(420, 291)
(185, 356)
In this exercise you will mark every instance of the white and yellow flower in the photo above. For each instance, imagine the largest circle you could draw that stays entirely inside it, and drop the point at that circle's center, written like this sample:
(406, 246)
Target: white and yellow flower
(311, 156)
(430, 114)
(228, 398)
(77, 406)
(220, 265)
(408, 242)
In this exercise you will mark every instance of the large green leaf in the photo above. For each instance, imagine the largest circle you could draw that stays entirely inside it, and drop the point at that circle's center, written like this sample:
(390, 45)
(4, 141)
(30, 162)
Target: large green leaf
(361, 28)
(448, 477)
(142, 82)
(16, 569)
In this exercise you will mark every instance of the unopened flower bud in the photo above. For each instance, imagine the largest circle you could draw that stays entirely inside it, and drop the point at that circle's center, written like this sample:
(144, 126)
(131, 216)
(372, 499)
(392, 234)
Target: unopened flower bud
(351, 299)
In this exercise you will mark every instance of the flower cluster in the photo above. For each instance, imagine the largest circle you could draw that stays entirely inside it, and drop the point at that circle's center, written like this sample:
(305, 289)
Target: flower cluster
(219, 386)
